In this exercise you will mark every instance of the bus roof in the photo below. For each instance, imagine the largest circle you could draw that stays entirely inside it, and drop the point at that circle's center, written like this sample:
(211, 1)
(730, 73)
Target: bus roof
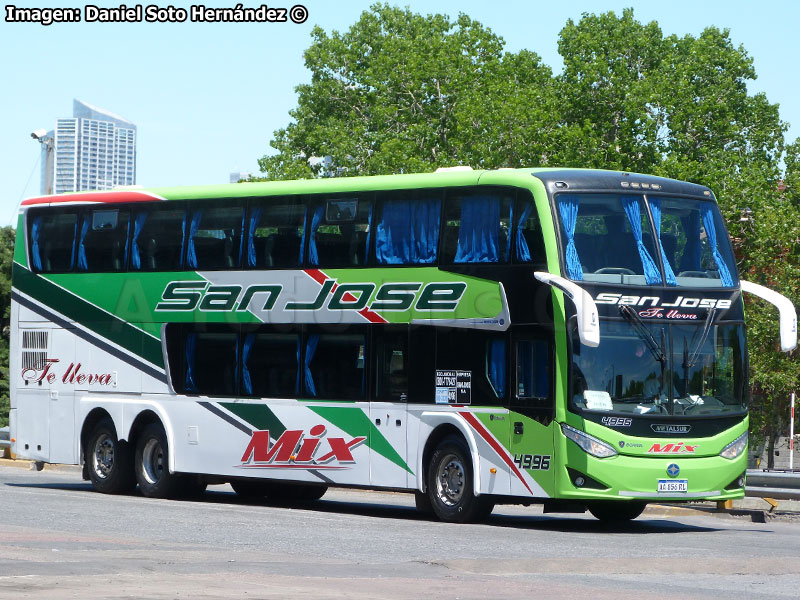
(555, 179)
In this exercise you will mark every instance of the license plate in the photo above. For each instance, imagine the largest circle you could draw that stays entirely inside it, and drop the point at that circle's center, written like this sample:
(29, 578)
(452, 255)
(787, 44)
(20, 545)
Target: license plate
(673, 485)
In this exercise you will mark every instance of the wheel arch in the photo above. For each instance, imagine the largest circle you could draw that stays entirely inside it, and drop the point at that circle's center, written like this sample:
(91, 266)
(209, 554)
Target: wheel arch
(439, 426)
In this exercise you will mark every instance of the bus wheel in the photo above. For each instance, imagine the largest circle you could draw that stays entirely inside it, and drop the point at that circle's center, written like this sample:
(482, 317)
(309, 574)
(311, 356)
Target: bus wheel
(252, 490)
(152, 464)
(611, 511)
(109, 460)
(450, 484)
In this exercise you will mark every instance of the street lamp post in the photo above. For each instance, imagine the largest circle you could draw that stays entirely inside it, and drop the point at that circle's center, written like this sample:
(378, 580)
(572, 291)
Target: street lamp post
(40, 135)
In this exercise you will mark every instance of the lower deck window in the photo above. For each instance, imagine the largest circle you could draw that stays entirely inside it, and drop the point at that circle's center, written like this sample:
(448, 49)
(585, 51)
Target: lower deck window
(334, 366)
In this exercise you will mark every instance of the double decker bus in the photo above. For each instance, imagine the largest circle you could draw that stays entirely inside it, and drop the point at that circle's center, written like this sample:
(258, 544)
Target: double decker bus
(568, 337)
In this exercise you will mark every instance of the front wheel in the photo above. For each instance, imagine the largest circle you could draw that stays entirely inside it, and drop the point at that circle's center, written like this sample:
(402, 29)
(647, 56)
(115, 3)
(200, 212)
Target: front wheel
(615, 512)
(109, 460)
(450, 484)
(152, 464)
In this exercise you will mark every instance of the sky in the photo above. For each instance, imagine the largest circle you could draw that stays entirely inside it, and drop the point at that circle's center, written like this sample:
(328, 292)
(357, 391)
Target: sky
(206, 98)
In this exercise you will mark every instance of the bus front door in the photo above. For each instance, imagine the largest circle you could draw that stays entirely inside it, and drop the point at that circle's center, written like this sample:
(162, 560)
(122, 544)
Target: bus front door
(531, 414)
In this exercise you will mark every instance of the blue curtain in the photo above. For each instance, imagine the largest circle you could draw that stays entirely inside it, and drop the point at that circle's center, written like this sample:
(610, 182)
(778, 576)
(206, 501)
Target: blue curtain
(711, 236)
(479, 231)
(138, 225)
(316, 220)
(191, 353)
(497, 366)
(183, 239)
(690, 261)
(303, 238)
(83, 263)
(255, 217)
(297, 380)
(408, 232)
(507, 256)
(36, 232)
(655, 209)
(568, 208)
(311, 347)
(247, 346)
(523, 251)
(191, 253)
(651, 273)
(241, 239)
(369, 232)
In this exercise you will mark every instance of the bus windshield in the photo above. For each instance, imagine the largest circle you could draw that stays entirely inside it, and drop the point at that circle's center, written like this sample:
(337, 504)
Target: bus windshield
(678, 370)
(611, 238)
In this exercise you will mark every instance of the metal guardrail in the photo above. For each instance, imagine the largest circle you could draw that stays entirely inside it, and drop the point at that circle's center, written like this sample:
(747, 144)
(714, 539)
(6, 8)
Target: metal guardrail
(780, 485)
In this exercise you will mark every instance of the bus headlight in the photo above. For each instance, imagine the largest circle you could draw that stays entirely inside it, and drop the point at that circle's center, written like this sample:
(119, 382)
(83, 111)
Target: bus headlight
(735, 448)
(589, 444)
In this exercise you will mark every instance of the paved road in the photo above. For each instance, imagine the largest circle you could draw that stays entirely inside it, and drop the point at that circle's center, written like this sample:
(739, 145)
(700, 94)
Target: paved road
(59, 539)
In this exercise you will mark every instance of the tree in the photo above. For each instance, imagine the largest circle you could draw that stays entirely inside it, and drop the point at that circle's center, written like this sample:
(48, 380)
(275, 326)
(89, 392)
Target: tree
(399, 92)
(7, 235)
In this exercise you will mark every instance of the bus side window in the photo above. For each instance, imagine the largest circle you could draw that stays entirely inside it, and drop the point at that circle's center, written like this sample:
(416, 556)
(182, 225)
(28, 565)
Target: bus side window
(334, 366)
(275, 234)
(103, 240)
(215, 238)
(529, 238)
(158, 239)
(407, 227)
(391, 365)
(210, 363)
(270, 365)
(422, 364)
(52, 239)
(477, 228)
(339, 233)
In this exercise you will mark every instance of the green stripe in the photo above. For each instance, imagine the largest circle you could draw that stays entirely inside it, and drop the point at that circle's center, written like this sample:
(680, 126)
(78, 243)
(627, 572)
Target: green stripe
(354, 422)
(260, 416)
(82, 312)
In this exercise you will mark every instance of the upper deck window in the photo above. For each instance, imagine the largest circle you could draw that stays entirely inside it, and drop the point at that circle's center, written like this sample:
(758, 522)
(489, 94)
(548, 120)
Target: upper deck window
(407, 230)
(103, 240)
(339, 232)
(275, 234)
(607, 238)
(215, 238)
(53, 241)
(477, 228)
(695, 244)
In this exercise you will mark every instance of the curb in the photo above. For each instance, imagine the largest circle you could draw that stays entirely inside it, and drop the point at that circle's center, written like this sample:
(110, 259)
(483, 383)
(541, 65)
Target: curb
(31, 465)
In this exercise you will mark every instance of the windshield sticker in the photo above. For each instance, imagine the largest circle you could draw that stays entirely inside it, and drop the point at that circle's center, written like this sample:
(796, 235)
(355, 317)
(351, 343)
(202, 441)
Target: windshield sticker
(663, 310)
(453, 387)
(598, 400)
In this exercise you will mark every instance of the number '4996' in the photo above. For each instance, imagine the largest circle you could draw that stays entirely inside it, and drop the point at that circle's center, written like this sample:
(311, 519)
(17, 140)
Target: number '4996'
(532, 461)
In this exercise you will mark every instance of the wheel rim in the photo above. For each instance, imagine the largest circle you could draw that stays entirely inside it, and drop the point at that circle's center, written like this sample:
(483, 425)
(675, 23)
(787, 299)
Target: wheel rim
(153, 461)
(450, 480)
(103, 456)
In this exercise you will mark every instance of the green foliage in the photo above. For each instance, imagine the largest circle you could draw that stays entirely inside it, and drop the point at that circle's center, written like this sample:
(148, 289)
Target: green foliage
(400, 92)
(6, 258)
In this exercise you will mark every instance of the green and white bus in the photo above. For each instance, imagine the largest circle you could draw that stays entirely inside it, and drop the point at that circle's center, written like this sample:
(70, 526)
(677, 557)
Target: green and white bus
(568, 337)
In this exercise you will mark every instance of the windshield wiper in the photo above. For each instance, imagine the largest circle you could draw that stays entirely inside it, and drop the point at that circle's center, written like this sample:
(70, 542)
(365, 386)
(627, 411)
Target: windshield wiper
(691, 360)
(636, 321)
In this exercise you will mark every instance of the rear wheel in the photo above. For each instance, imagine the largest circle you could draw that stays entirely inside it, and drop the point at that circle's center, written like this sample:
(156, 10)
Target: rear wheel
(450, 484)
(109, 460)
(610, 511)
(152, 464)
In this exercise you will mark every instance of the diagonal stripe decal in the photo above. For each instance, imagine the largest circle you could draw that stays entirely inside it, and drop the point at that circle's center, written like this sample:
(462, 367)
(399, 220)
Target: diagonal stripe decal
(320, 277)
(501, 452)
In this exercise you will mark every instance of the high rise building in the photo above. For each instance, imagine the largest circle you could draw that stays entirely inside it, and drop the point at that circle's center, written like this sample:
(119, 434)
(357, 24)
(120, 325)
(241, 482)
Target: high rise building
(94, 150)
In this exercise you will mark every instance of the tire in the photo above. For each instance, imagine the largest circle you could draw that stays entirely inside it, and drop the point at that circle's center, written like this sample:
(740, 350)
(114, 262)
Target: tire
(109, 461)
(152, 465)
(615, 512)
(450, 484)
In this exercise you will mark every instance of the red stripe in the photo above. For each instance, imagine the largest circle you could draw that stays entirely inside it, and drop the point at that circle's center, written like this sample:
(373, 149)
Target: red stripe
(369, 315)
(476, 425)
(96, 197)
